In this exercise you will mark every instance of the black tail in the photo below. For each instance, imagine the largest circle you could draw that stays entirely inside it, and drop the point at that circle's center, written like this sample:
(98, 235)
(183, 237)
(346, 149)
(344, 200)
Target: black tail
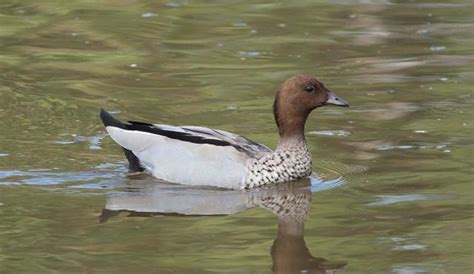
(110, 121)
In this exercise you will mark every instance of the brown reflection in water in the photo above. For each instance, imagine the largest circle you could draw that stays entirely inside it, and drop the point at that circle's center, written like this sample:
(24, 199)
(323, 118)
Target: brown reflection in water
(289, 202)
(290, 254)
(289, 251)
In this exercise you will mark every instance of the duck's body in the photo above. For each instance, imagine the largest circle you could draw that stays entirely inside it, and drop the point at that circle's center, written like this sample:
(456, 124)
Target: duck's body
(202, 156)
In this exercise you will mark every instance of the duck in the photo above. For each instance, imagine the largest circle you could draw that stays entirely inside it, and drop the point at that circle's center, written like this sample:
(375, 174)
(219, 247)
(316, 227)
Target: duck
(201, 156)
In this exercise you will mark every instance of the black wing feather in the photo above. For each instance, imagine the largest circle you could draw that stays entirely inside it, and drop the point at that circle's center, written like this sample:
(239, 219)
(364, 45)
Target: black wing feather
(109, 120)
(182, 136)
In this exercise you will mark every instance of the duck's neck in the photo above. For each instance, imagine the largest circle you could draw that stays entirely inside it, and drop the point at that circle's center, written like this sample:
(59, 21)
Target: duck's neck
(290, 120)
(292, 135)
(291, 128)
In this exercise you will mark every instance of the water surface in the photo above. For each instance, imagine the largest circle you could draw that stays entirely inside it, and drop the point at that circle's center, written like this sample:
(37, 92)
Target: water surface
(400, 159)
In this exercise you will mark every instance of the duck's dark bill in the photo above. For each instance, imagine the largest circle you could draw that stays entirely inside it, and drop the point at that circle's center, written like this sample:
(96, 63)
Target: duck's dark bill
(333, 99)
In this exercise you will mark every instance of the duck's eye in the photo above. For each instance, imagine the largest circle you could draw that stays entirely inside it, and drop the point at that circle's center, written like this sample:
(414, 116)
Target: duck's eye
(309, 88)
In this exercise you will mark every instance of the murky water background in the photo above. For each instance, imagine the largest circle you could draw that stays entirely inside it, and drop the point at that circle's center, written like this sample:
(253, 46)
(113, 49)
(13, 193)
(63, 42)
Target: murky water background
(394, 192)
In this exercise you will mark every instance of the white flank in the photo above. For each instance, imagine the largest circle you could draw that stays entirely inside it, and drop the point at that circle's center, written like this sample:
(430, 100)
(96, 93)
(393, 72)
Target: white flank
(184, 162)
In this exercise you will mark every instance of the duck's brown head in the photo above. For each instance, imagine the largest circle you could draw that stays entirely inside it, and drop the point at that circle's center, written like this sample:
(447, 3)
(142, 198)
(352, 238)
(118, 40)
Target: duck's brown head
(295, 100)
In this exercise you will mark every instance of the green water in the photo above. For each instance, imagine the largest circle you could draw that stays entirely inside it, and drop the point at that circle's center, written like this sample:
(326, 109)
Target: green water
(402, 155)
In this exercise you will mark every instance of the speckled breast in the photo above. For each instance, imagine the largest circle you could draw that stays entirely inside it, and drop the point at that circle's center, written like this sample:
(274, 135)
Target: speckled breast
(280, 166)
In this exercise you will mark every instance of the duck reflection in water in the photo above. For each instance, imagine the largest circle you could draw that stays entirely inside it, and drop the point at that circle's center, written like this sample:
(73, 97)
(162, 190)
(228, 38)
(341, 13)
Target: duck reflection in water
(289, 202)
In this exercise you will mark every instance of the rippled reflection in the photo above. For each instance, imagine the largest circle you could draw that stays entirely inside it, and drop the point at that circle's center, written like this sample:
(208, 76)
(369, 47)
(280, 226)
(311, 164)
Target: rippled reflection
(290, 203)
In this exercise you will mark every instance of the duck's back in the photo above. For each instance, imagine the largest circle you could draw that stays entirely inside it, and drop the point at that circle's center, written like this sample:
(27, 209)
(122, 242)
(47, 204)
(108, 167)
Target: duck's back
(186, 155)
